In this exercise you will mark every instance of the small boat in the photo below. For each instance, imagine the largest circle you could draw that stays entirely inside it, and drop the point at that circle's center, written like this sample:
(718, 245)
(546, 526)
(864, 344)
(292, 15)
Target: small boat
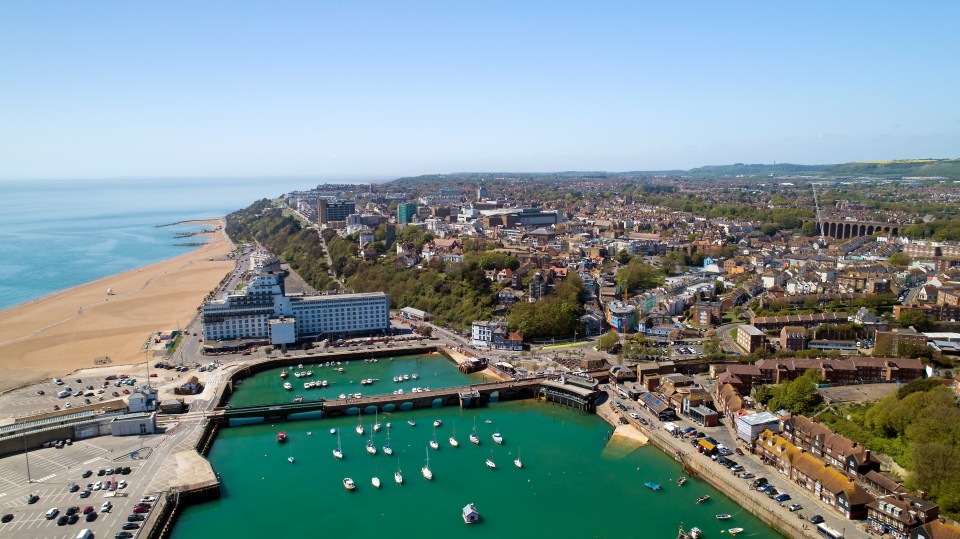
(283, 374)
(387, 450)
(487, 421)
(396, 475)
(681, 481)
(281, 437)
(359, 428)
(333, 431)
(340, 370)
(298, 398)
(372, 449)
(323, 383)
(497, 438)
(406, 377)
(703, 498)
(414, 376)
(338, 453)
(724, 516)
(290, 459)
(427, 473)
(433, 443)
(517, 462)
(436, 422)
(453, 438)
(734, 531)
(376, 482)
(653, 486)
(490, 463)
(389, 425)
(470, 514)
(473, 436)
(376, 423)
(287, 385)
(342, 396)
(411, 422)
(695, 533)
(349, 484)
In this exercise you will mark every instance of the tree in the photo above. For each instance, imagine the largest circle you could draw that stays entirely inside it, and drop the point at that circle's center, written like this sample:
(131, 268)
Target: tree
(623, 257)
(809, 228)
(799, 396)
(608, 341)
(638, 275)
(900, 259)
(918, 319)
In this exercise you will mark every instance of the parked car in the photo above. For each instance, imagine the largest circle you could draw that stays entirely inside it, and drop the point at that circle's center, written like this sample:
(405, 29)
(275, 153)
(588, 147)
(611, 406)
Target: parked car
(759, 481)
(795, 507)
(85, 494)
(135, 518)
(91, 517)
(747, 475)
(739, 451)
(130, 526)
(7, 518)
(33, 498)
(816, 519)
(87, 510)
(782, 497)
(87, 474)
(106, 507)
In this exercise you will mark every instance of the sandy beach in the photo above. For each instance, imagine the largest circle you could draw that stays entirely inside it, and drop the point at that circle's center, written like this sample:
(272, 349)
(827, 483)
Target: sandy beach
(60, 333)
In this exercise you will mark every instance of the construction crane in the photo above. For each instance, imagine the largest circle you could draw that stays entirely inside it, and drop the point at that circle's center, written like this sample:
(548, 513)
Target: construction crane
(822, 240)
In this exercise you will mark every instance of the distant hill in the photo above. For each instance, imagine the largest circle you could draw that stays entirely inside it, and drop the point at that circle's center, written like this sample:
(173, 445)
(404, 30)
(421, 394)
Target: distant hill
(947, 168)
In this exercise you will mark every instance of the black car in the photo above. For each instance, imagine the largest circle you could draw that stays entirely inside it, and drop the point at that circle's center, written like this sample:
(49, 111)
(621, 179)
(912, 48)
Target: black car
(85, 494)
(759, 481)
(91, 517)
(33, 498)
(131, 526)
(125, 470)
(62, 521)
(72, 510)
(101, 472)
(135, 518)
(7, 518)
(74, 487)
(816, 519)
(41, 392)
(87, 474)
(72, 519)
(123, 535)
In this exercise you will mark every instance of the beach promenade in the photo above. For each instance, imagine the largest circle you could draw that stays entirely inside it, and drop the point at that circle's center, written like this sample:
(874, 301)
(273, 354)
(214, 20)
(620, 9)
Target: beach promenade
(68, 330)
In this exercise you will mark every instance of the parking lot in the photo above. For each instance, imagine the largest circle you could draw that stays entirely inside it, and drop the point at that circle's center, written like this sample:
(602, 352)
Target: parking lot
(57, 481)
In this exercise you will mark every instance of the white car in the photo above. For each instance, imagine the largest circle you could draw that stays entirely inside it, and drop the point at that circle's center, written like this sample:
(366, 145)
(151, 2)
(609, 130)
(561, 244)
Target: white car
(98, 485)
(148, 499)
(122, 484)
(634, 415)
(106, 507)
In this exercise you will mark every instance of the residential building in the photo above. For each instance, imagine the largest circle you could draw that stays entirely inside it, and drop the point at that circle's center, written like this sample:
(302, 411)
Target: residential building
(794, 338)
(330, 210)
(750, 426)
(622, 317)
(406, 212)
(495, 335)
(538, 287)
(899, 342)
(706, 313)
(897, 514)
(750, 338)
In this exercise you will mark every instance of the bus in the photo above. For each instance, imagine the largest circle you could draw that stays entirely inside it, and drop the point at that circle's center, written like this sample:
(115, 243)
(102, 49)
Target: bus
(828, 532)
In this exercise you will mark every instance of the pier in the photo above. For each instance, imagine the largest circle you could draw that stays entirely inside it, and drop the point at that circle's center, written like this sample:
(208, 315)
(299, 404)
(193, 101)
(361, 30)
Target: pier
(570, 391)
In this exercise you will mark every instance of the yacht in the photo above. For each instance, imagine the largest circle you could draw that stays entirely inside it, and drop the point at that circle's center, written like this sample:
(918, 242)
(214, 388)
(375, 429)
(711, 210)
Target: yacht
(490, 463)
(453, 439)
(387, 450)
(338, 453)
(287, 385)
(397, 476)
(497, 438)
(427, 474)
(376, 482)
(283, 374)
(436, 422)
(703, 498)
(376, 423)
(372, 449)
(517, 462)
(433, 442)
(359, 428)
(473, 436)
(349, 484)
(695, 533)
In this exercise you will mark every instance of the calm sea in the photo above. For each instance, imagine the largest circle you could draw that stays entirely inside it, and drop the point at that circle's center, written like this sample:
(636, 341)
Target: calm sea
(573, 484)
(59, 234)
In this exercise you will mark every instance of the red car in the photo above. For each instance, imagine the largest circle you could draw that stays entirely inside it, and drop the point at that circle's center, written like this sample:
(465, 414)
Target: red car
(153, 375)
(141, 509)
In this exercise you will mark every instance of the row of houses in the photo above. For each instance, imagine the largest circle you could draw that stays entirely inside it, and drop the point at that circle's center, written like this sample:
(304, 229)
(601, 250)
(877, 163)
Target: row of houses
(846, 371)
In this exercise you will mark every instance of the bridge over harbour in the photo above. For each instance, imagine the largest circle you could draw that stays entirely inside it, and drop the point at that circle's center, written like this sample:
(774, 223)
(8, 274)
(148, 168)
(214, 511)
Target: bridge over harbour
(574, 394)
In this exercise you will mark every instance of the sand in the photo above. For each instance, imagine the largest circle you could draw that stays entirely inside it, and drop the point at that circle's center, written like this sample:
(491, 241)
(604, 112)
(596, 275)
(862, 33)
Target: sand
(63, 332)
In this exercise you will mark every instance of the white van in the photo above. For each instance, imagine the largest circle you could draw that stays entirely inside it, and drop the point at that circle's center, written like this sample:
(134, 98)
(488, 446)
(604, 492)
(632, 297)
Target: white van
(85, 534)
(53, 512)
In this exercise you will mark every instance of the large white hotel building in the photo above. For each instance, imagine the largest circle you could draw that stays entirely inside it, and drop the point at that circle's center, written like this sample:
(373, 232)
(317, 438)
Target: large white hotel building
(261, 310)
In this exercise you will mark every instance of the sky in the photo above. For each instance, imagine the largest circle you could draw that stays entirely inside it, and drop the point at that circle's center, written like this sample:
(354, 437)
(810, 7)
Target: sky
(379, 90)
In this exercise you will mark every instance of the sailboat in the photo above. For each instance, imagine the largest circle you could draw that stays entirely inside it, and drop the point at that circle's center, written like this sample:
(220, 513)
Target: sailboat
(427, 474)
(376, 423)
(490, 463)
(338, 453)
(375, 481)
(359, 428)
(473, 436)
(433, 442)
(290, 458)
(517, 462)
(387, 450)
(453, 439)
(372, 449)
(396, 476)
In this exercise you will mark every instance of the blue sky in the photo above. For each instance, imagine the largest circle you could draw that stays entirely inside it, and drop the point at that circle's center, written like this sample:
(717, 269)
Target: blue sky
(380, 90)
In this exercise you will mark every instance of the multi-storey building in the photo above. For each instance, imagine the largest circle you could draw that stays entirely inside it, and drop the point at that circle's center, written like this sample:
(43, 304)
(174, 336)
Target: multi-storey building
(794, 338)
(897, 514)
(899, 342)
(750, 338)
(406, 212)
(261, 311)
(334, 210)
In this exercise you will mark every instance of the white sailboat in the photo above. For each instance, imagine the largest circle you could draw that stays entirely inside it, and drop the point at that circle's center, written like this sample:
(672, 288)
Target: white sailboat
(427, 474)
(387, 450)
(375, 481)
(338, 453)
(376, 423)
(397, 476)
(490, 463)
(453, 438)
(433, 442)
(473, 436)
(517, 462)
(359, 428)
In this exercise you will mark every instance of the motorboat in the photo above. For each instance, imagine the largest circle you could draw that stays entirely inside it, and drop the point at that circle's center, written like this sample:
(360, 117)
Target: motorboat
(333, 431)
(338, 452)
(734, 531)
(653, 486)
(695, 533)
(406, 377)
(491, 465)
(517, 462)
(375, 481)
(342, 396)
(323, 383)
(372, 449)
(389, 425)
(681, 481)
(411, 422)
(437, 422)
(287, 385)
(427, 473)
(281, 437)
(473, 435)
(349, 484)
(283, 374)
(290, 459)
(414, 376)
(298, 398)
(497, 438)
(703, 498)
(724, 516)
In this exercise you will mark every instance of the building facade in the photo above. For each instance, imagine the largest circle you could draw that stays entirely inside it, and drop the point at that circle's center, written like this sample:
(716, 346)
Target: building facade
(334, 210)
(406, 212)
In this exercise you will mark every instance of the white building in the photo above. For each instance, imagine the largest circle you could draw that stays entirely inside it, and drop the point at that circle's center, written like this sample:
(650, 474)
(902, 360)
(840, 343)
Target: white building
(750, 426)
(261, 308)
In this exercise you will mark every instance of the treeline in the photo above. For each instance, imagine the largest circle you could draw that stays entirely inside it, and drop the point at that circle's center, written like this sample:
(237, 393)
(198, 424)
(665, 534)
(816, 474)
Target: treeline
(919, 426)
(557, 314)
(284, 236)
(940, 230)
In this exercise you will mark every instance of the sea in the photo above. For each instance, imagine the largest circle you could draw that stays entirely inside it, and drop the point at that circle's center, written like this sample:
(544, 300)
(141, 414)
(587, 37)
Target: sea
(58, 234)
(575, 482)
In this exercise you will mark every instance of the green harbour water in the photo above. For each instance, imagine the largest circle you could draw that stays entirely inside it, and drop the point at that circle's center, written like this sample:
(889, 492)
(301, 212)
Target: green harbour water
(574, 483)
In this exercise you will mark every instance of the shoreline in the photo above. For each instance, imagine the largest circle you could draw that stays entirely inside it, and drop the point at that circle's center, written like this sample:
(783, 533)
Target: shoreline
(65, 331)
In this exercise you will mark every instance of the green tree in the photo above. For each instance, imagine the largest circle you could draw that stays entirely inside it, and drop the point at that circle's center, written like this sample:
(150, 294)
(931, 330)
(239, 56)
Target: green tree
(799, 396)
(900, 259)
(608, 340)
(809, 228)
(623, 257)
(918, 319)
(638, 275)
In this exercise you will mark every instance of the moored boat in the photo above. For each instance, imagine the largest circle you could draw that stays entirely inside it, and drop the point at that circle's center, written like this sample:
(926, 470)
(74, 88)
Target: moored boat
(281, 437)
(372, 449)
(349, 484)
(375, 482)
(724, 516)
(734, 531)
(703, 498)
(436, 422)
(411, 422)
(652, 486)
(695, 533)
(427, 473)
(497, 438)
(681, 481)
(287, 385)
(517, 462)
(470, 514)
